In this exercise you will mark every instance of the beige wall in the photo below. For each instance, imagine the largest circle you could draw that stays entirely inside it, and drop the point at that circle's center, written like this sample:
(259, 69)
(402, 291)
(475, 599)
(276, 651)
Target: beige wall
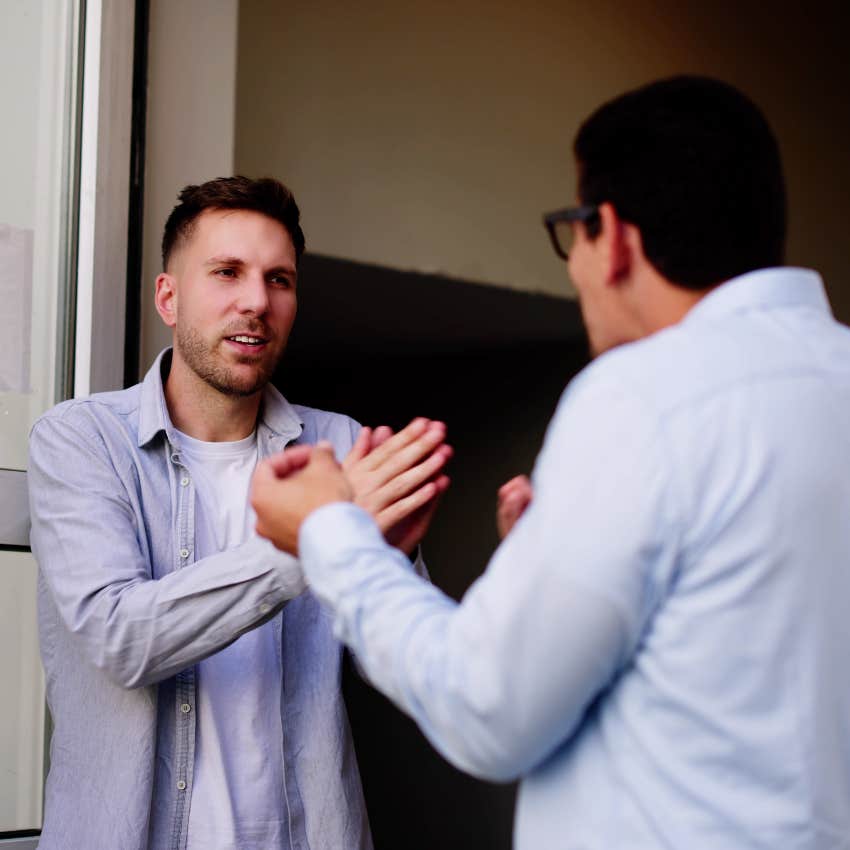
(190, 123)
(433, 135)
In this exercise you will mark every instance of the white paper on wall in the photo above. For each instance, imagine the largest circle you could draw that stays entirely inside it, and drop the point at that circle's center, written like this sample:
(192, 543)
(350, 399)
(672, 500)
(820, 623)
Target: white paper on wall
(15, 308)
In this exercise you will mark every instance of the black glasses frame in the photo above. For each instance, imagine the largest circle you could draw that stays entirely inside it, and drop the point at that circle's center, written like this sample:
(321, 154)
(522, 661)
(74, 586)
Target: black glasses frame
(584, 214)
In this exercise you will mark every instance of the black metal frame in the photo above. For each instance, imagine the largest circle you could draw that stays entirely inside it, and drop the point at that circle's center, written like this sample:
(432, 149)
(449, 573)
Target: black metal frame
(584, 214)
(135, 218)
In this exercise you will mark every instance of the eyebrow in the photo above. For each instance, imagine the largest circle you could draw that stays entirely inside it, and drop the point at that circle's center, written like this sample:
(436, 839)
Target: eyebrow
(236, 261)
(224, 261)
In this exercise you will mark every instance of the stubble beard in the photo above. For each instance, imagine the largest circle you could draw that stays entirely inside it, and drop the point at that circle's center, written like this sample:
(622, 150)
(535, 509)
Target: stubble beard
(201, 360)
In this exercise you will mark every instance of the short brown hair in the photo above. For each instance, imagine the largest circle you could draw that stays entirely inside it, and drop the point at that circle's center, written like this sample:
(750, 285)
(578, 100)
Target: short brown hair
(264, 195)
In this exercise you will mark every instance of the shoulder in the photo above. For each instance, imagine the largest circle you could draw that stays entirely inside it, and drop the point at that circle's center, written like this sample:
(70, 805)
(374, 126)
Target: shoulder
(672, 369)
(636, 387)
(95, 417)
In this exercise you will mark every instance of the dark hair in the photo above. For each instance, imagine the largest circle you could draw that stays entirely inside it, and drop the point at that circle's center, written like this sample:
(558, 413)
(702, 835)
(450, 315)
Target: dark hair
(264, 195)
(694, 165)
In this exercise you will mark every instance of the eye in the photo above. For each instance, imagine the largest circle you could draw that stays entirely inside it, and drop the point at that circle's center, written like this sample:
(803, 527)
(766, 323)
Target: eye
(226, 272)
(281, 280)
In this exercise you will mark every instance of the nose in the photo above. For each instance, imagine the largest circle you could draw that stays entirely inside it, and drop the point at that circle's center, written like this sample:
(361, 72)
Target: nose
(253, 296)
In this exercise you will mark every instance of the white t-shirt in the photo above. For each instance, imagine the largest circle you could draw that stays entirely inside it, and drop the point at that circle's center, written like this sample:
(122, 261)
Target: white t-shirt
(237, 789)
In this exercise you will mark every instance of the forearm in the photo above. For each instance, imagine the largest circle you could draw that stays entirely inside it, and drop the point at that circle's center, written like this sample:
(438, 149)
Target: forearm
(480, 679)
(141, 630)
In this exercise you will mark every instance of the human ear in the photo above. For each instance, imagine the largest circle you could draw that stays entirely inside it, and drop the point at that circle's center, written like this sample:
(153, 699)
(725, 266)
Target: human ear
(165, 299)
(617, 254)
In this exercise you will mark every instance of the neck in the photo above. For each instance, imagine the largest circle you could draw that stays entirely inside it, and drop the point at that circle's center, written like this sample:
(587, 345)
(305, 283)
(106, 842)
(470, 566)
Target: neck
(662, 304)
(205, 413)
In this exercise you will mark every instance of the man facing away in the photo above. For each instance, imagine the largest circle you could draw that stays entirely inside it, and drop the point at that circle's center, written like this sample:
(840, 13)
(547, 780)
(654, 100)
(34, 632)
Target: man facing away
(658, 648)
(193, 685)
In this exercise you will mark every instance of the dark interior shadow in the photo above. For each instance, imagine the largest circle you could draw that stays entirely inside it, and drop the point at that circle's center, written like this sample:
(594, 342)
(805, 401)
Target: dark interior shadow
(384, 346)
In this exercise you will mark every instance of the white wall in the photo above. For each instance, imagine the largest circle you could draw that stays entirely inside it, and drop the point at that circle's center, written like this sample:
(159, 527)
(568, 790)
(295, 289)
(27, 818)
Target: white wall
(190, 123)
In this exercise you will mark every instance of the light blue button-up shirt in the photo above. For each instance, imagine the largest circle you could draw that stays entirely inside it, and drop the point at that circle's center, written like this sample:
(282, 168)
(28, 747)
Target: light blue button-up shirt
(126, 611)
(660, 647)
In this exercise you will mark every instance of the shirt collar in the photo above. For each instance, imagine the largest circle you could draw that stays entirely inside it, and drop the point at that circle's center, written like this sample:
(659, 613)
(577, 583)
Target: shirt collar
(774, 287)
(276, 413)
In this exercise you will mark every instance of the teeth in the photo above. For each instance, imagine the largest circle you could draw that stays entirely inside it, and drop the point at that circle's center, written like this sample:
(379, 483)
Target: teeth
(250, 340)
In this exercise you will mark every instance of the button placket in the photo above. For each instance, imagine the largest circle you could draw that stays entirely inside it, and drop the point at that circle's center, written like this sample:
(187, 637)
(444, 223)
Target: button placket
(184, 538)
(185, 511)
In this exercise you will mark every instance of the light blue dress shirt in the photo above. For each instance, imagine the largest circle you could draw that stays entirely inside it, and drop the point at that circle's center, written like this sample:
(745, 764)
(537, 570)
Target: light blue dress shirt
(127, 609)
(660, 647)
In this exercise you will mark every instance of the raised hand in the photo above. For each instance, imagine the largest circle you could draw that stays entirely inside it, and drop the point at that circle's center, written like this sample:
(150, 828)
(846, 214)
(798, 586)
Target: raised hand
(398, 478)
(513, 498)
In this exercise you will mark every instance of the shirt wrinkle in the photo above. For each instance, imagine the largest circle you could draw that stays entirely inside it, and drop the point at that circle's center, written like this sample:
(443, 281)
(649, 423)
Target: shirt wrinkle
(124, 738)
(726, 721)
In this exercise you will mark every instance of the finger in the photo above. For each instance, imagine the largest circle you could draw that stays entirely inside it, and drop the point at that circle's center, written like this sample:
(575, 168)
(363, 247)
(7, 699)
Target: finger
(397, 511)
(507, 490)
(407, 435)
(418, 523)
(516, 482)
(514, 503)
(408, 481)
(262, 487)
(394, 462)
(323, 456)
(508, 496)
(442, 483)
(511, 507)
(324, 479)
(288, 461)
(362, 446)
(381, 434)
(508, 512)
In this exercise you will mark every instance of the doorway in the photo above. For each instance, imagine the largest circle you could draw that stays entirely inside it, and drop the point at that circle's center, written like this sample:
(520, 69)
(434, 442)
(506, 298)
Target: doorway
(384, 346)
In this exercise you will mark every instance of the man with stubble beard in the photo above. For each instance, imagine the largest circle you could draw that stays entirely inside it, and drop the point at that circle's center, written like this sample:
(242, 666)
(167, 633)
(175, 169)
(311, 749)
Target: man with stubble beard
(193, 681)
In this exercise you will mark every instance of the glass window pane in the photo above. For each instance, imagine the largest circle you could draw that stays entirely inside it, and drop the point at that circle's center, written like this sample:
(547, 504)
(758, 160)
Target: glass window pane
(40, 46)
(39, 57)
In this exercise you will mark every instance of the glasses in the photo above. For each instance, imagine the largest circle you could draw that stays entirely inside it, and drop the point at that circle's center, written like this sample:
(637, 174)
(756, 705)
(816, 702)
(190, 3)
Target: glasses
(560, 226)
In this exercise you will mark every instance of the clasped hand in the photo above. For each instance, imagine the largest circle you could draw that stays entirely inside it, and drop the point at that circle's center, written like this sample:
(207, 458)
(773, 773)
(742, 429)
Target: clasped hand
(398, 478)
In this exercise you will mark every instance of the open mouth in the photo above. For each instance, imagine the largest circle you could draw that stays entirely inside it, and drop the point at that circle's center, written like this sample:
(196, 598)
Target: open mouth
(245, 339)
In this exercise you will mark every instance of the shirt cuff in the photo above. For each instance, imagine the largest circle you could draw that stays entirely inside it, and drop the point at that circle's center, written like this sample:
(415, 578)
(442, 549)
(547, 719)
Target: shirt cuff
(331, 532)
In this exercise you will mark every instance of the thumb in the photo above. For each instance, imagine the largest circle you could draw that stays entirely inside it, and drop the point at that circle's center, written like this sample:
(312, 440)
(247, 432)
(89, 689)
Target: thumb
(323, 456)
(288, 461)
(360, 448)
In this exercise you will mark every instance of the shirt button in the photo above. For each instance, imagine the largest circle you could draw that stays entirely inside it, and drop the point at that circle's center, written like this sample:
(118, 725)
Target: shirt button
(181, 785)
(184, 553)
(184, 481)
(185, 708)
(265, 608)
